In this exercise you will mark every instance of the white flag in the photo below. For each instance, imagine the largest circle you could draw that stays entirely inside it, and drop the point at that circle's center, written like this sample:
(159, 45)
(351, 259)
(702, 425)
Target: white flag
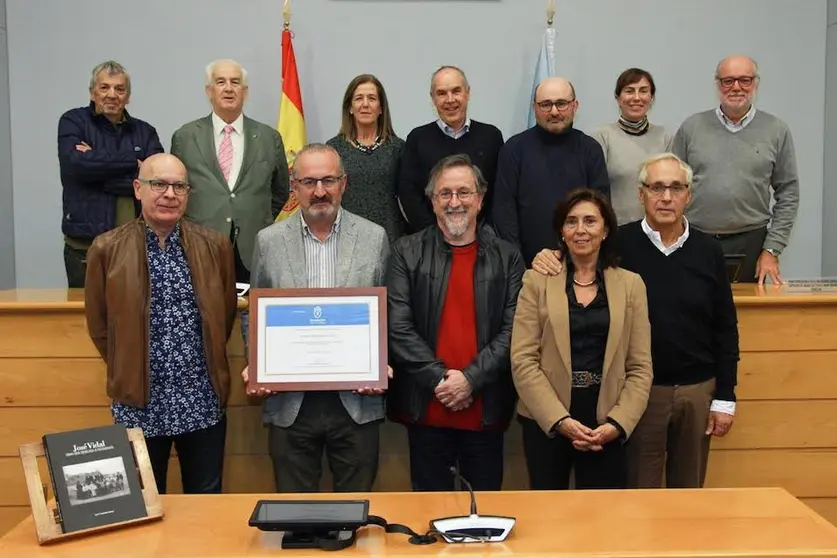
(545, 67)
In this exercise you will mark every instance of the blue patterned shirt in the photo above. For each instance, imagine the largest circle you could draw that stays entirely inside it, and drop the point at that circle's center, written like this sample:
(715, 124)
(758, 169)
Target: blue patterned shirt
(182, 398)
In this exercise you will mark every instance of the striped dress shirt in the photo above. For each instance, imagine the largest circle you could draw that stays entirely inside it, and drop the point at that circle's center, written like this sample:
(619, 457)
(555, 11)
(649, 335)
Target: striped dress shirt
(321, 256)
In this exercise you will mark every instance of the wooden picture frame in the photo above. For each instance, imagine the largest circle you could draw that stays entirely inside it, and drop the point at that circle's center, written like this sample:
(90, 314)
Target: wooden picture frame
(314, 298)
(45, 514)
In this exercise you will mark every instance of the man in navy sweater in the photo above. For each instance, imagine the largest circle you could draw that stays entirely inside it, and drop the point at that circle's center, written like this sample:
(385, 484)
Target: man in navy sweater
(694, 331)
(538, 167)
(452, 133)
(99, 150)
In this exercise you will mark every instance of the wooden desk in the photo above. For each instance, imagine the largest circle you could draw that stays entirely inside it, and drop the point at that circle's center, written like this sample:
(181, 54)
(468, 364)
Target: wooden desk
(51, 379)
(612, 524)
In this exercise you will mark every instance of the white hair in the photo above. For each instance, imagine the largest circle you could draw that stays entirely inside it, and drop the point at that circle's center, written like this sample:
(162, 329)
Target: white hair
(750, 58)
(210, 70)
(643, 168)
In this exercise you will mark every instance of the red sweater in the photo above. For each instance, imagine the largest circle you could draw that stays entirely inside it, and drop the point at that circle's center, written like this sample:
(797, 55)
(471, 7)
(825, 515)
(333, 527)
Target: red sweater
(456, 344)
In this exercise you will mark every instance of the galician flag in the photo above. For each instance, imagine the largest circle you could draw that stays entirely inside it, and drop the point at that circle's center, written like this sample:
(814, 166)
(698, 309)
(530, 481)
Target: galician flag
(291, 123)
(545, 67)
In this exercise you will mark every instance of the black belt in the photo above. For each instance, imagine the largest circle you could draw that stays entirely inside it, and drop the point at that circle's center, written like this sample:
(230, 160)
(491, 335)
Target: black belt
(721, 236)
(585, 378)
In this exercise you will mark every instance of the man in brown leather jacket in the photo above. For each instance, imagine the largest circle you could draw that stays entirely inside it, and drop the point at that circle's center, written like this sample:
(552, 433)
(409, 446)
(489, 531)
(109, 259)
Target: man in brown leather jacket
(160, 302)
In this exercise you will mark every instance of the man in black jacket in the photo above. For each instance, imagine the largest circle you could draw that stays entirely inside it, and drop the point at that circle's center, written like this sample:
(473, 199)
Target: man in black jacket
(99, 150)
(452, 291)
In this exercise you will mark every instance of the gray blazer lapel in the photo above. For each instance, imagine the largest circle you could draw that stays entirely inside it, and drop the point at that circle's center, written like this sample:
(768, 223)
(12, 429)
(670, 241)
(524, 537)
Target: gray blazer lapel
(251, 147)
(296, 253)
(347, 241)
(206, 144)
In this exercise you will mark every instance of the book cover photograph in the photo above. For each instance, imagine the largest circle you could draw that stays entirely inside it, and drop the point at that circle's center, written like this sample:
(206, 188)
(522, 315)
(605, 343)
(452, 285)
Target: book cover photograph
(94, 476)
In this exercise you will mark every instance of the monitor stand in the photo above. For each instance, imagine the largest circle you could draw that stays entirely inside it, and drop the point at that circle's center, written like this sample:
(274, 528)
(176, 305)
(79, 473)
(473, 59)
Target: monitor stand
(317, 539)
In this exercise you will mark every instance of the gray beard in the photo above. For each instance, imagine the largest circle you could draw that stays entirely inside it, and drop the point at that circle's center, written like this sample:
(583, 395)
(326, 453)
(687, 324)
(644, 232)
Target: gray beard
(456, 227)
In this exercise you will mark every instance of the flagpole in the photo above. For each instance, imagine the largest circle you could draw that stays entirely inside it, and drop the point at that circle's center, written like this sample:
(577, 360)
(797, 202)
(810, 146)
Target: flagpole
(550, 12)
(286, 13)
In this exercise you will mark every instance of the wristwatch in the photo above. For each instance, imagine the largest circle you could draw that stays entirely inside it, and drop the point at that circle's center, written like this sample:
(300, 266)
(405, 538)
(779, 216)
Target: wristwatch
(773, 252)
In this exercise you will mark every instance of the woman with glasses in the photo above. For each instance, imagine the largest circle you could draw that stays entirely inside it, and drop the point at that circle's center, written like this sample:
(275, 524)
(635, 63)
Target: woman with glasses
(630, 140)
(581, 354)
(370, 151)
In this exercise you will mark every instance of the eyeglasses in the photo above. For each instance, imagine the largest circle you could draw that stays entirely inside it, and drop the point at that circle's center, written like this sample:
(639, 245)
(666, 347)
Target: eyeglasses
(657, 189)
(447, 195)
(310, 183)
(161, 186)
(560, 104)
(743, 81)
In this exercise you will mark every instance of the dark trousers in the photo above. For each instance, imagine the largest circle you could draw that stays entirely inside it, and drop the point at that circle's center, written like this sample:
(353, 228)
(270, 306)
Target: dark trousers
(324, 425)
(671, 437)
(201, 455)
(75, 264)
(433, 451)
(747, 244)
(551, 460)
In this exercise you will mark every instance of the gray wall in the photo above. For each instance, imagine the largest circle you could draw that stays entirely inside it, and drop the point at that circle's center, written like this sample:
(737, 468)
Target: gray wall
(495, 41)
(7, 221)
(829, 201)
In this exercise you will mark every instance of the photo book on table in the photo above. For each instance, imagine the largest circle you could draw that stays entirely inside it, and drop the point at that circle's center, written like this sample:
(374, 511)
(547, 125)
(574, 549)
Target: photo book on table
(95, 477)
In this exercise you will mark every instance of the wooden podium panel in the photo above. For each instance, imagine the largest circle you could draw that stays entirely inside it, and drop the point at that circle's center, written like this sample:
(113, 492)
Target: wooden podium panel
(785, 432)
(707, 523)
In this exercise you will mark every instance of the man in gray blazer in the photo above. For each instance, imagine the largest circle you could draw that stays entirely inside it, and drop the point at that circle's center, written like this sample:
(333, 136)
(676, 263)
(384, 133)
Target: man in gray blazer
(237, 166)
(324, 247)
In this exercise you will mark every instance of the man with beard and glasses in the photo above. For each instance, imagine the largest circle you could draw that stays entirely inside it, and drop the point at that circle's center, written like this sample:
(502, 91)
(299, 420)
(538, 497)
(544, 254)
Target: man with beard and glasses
(452, 293)
(451, 133)
(324, 247)
(538, 167)
(739, 155)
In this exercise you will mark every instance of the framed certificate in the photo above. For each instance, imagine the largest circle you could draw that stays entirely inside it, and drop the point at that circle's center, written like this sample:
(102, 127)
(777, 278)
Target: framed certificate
(318, 339)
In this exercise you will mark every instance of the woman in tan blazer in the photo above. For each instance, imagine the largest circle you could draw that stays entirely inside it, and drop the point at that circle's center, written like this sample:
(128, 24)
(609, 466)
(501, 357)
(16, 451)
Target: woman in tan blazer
(581, 354)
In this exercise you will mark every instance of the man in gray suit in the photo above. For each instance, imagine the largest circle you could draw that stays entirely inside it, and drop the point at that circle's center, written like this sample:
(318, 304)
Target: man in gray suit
(237, 166)
(324, 247)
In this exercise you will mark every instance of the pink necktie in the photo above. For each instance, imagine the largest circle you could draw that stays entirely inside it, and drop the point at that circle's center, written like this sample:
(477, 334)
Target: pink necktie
(225, 152)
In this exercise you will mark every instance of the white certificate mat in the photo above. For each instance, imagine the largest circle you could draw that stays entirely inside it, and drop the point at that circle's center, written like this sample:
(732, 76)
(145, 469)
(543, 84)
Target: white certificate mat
(329, 339)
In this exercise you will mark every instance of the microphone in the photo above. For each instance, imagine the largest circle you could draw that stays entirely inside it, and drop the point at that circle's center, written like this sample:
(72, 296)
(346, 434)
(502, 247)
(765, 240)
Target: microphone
(456, 474)
(473, 527)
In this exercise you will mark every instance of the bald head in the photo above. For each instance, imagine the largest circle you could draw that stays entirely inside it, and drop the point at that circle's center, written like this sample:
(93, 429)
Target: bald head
(163, 191)
(162, 163)
(554, 88)
(555, 104)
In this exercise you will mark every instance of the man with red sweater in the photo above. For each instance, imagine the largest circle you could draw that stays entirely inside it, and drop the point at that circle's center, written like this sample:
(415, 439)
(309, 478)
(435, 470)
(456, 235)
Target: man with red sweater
(452, 293)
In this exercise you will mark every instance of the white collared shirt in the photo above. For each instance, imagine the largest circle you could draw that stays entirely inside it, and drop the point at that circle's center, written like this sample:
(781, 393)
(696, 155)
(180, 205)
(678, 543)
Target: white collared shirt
(237, 139)
(726, 407)
(450, 132)
(657, 240)
(736, 126)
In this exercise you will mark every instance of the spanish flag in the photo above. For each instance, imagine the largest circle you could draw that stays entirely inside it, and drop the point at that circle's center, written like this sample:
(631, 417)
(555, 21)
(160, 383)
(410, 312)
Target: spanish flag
(291, 123)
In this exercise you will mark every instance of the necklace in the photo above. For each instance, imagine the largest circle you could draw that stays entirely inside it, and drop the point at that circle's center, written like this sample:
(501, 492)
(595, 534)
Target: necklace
(580, 284)
(363, 148)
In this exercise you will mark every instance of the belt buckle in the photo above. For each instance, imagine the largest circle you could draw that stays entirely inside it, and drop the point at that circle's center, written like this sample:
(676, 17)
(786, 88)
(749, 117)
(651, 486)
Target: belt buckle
(584, 378)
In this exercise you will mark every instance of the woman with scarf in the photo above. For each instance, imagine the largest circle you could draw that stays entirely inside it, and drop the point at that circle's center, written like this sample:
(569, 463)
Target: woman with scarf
(630, 140)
